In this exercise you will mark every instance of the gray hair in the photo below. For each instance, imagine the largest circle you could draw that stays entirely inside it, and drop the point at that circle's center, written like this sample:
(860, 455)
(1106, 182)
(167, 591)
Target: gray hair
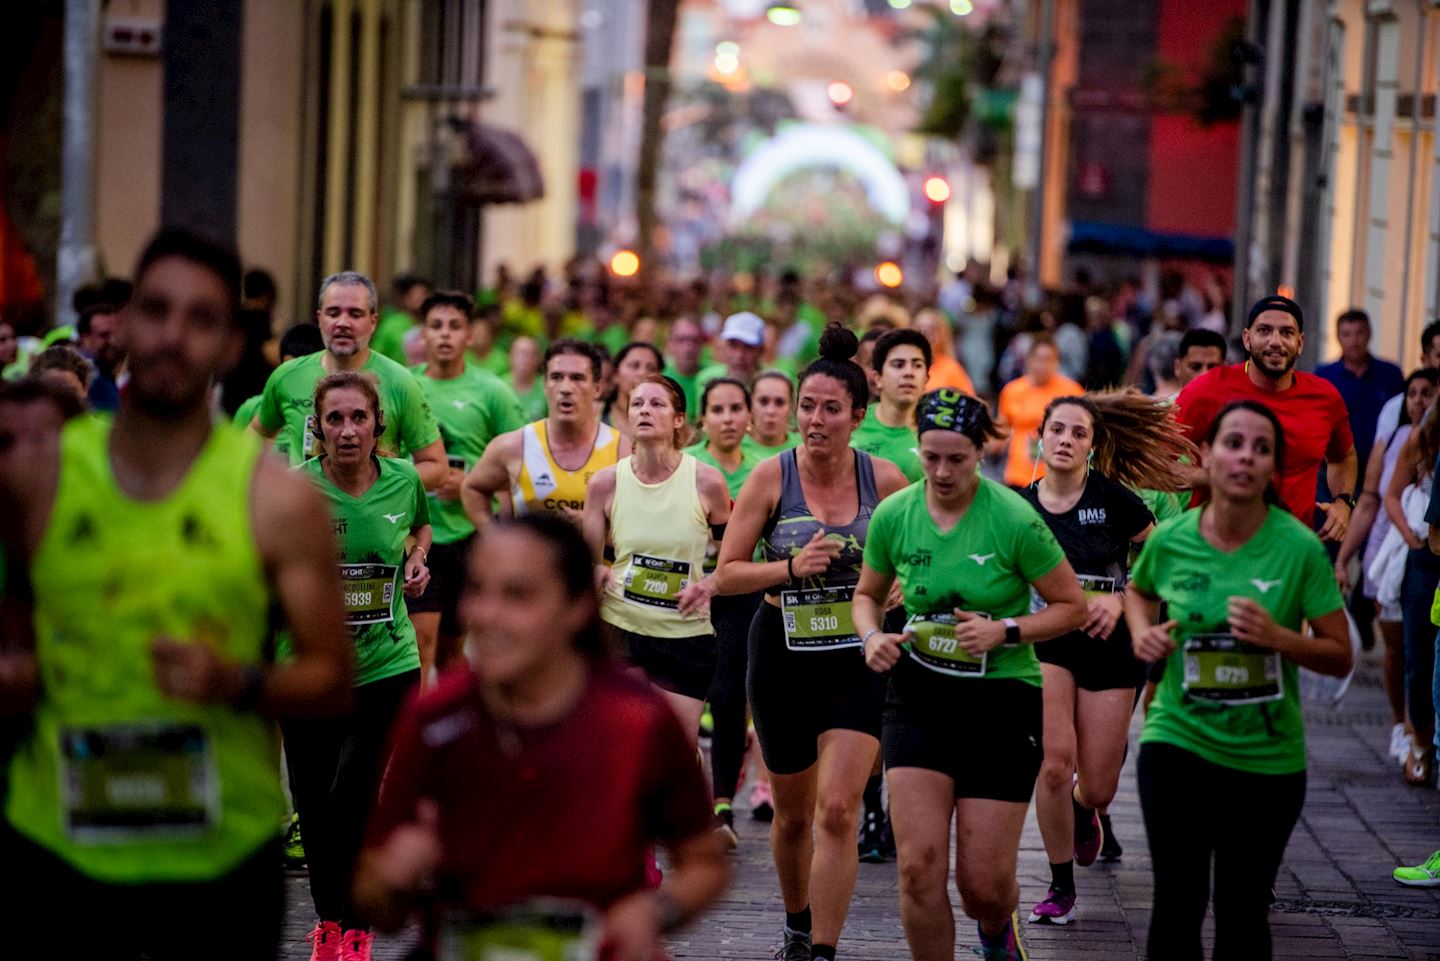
(1163, 354)
(349, 278)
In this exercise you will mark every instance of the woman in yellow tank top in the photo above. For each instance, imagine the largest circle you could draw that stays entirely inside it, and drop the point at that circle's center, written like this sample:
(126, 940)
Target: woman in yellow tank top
(658, 508)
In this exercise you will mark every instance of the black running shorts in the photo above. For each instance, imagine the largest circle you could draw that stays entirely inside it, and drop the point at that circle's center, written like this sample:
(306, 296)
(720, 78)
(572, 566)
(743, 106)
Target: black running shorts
(986, 737)
(1095, 664)
(681, 665)
(795, 696)
(447, 580)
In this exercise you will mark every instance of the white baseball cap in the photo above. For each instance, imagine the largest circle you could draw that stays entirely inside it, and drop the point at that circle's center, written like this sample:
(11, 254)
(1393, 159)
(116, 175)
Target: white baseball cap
(745, 327)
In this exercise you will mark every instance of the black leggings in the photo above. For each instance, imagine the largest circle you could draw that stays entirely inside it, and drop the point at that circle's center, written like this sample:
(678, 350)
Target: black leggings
(1195, 810)
(335, 768)
(731, 617)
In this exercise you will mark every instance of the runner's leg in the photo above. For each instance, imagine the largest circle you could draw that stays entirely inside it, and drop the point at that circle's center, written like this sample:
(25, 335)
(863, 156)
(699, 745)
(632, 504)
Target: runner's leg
(846, 759)
(922, 803)
(792, 845)
(987, 843)
(1053, 810)
(1178, 800)
(1247, 857)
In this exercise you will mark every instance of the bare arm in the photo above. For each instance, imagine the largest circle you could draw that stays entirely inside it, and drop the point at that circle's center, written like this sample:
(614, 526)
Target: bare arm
(292, 532)
(1367, 506)
(1065, 608)
(1403, 477)
(1340, 475)
(430, 464)
(735, 571)
(1327, 651)
(599, 495)
(259, 428)
(489, 476)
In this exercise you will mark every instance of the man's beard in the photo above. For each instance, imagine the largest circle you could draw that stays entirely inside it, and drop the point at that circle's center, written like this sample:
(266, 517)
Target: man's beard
(1272, 374)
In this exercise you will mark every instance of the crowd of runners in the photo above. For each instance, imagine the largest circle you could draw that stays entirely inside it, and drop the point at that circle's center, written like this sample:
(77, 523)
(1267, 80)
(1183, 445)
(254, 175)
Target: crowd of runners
(452, 610)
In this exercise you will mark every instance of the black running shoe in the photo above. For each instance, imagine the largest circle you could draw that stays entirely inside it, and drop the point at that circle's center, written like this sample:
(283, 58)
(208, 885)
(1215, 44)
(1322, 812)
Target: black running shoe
(873, 845)
(1110, 851)
(795, 948)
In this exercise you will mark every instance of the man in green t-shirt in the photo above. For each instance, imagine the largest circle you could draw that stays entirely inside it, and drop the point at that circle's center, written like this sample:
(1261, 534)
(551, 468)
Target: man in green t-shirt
(472, 406)
(347, 319)
(400, 318)
(682, 361)
(900, 364)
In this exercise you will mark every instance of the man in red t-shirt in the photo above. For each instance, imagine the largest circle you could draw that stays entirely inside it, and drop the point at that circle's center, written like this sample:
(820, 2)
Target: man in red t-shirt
(1317, 429)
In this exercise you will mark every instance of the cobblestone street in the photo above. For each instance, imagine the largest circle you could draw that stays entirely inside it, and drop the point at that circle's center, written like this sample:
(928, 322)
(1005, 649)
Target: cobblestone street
(1336, 897)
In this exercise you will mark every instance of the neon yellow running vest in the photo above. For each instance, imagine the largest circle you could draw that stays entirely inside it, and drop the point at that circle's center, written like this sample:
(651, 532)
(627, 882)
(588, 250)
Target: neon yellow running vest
(125, 784)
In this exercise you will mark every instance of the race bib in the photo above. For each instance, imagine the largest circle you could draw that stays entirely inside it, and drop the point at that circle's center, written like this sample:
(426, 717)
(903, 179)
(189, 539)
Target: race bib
(1093, 585)
(1223, 670)
(935, 647)
(541, 930)
(818, 619)
(137, 781)
(655, 581)
(369, 592)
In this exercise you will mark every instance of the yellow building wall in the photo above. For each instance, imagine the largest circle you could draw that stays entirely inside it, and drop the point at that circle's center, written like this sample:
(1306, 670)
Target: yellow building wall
(128, 149)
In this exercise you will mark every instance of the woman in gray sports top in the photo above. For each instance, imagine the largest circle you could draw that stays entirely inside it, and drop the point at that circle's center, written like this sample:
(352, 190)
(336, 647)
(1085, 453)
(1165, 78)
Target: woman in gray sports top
(815, 704)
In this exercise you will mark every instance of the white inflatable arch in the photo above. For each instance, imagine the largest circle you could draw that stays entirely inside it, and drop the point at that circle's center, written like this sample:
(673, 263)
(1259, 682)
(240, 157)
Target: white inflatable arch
(818, 145)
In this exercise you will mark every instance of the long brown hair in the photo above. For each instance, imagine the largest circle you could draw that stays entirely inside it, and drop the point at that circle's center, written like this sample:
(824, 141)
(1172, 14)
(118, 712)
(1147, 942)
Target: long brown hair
(1138, 440)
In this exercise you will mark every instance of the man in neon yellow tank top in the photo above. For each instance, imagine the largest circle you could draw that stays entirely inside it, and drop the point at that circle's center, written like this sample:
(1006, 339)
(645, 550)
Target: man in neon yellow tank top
(146, 793)
(545, 466)
(347, 320)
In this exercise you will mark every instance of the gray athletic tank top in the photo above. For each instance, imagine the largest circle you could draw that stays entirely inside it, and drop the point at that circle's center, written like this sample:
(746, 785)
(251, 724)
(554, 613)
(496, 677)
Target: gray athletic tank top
(792, 525)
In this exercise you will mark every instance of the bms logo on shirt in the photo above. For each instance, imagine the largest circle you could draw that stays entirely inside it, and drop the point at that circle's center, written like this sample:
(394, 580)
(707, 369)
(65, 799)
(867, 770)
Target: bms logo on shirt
(1092, 515)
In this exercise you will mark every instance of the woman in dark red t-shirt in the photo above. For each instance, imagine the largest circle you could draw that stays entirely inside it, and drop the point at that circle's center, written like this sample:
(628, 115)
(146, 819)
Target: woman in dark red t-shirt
(540, 773)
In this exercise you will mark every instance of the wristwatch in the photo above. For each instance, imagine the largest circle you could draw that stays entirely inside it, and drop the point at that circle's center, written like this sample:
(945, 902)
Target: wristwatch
(1349, 500)
(1012, 631)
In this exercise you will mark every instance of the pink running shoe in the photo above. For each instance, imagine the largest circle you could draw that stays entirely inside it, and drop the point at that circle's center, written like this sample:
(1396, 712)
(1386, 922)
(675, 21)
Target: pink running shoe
(1057, 908)
(324, 941)
(1089, 835)
(762, 803)
(355, 945)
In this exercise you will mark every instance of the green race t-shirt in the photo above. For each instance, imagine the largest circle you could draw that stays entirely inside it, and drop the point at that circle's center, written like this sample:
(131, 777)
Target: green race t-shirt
(371, 532)
(985, 564)
(690, 385)
(735, 481)
(899, 445)
(472, 409)
(390, 331)
(287, 405)
(1163, 504)
(792, 439)
(1285, 569)
(245, 413)
(532, 402)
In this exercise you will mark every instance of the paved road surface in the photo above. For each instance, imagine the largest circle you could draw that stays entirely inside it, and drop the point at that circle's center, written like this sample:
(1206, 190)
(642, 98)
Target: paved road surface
(1336, 896)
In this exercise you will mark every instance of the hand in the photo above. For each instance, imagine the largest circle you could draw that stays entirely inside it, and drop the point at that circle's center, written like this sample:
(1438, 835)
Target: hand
(976, 634)
(1155, 643)
(417, 575)
(603, 575)
(1104, 616)
(1250, 622)
(695, 598)
(1342, 575)
(449, 489)
(896, 598)
(632, 928)
(882, 650)
(1411, 541)
(407, 860)
(1337, 520)
(815, 557)
(190, 671)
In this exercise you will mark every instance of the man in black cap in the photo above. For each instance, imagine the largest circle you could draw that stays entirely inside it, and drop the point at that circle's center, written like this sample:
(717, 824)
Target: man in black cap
(1317, 429)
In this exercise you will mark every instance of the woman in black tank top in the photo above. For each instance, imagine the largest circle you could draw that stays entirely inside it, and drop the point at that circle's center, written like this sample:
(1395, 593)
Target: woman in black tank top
(816, 706)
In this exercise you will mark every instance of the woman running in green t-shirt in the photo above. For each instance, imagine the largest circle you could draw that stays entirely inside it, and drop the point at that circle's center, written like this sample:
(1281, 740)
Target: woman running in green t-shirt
(772, 409)
(1222, 754)
(724, 418)
(963, 714)
(376, 504)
